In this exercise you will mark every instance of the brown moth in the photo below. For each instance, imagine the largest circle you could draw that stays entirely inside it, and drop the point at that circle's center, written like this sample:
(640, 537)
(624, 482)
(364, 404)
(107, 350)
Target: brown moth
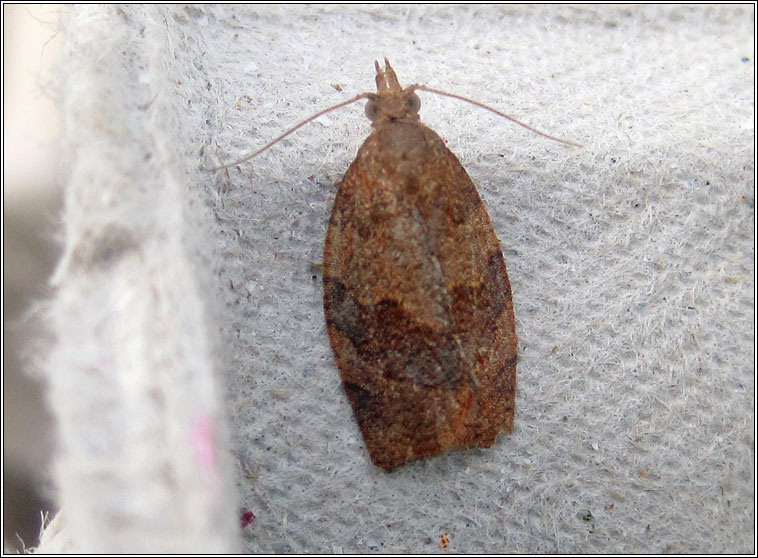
(416, 294)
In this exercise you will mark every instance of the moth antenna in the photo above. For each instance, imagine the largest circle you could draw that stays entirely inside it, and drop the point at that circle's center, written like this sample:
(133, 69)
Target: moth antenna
(460, 98)
(293, 129)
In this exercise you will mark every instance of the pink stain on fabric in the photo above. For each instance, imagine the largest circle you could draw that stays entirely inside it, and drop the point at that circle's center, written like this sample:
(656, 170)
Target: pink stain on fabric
(203, 442)
(246, 518)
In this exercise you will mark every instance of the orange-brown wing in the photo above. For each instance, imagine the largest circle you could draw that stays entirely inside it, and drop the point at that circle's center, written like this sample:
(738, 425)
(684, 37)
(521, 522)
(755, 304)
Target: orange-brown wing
(417, 301)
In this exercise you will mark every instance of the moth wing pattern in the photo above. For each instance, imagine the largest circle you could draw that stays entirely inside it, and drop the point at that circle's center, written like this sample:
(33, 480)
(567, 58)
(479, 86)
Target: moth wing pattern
(417, 300)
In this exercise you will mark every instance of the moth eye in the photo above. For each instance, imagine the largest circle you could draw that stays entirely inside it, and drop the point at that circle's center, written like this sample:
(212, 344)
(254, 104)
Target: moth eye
(372, 110)
(413, 102)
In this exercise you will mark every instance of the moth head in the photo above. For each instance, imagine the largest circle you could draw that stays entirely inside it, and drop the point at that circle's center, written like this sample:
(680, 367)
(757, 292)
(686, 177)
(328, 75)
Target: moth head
(391, 102)
(396, 107)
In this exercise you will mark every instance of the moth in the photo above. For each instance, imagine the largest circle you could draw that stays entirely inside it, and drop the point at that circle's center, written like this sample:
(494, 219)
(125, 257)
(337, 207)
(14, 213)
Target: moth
(418, 305)
(417, 300)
